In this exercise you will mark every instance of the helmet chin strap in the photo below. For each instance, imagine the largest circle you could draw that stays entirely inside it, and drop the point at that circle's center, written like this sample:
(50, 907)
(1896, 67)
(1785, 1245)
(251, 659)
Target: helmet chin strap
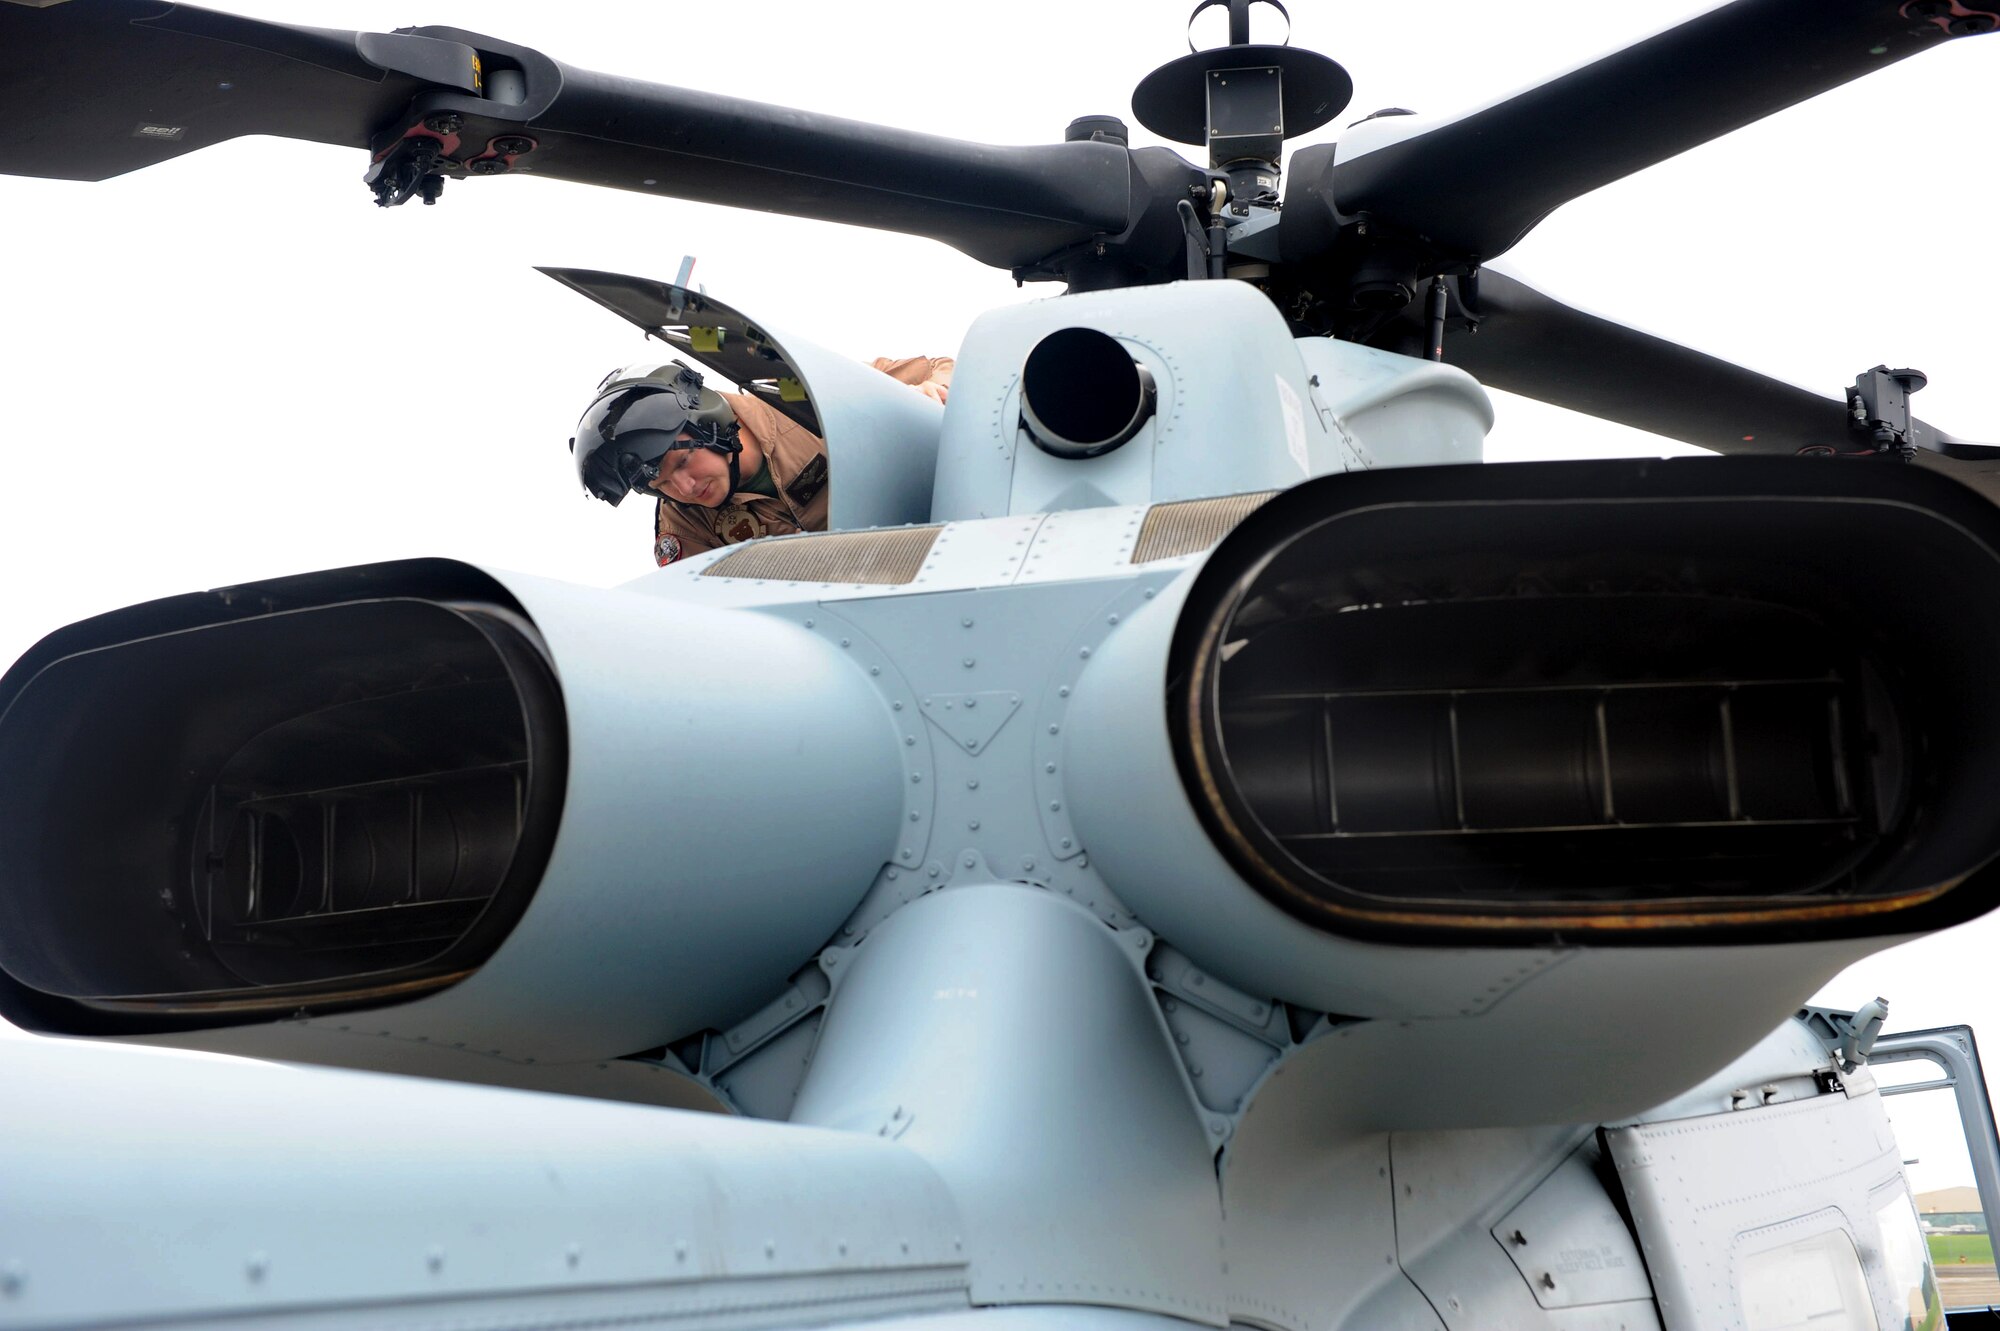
(724, 439)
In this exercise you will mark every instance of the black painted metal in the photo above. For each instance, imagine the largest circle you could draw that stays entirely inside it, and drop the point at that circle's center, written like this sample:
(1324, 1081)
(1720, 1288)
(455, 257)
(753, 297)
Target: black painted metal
(80, 85)
(1534, 345)
(1474, 186)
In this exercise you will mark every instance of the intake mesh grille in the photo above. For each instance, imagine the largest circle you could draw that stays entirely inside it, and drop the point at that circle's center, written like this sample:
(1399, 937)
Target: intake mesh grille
(888, 558)
(1192, 524)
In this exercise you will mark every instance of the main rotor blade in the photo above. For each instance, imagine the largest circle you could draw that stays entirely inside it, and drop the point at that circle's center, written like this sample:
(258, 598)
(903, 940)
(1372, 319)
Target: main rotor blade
(1538, 347)
(1006, 206)
(1531, 344)
(1475, 185)
(94, 88)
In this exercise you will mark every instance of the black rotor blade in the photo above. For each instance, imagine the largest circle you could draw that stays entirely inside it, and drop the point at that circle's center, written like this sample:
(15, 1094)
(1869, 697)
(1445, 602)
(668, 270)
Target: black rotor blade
(1005, 206)
(1538, 347)
(94, 88)
(1474, 186)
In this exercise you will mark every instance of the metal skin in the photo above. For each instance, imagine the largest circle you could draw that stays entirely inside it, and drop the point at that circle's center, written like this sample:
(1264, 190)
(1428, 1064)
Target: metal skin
(1692, 1208)
(240, 1191)
(968, 1056)
(593, 970)
(1018, 1048)
(992, 1034)
(1321, 402)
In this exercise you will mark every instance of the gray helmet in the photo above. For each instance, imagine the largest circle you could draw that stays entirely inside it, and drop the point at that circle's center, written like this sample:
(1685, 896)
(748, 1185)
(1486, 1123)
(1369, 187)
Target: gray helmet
(638, 416)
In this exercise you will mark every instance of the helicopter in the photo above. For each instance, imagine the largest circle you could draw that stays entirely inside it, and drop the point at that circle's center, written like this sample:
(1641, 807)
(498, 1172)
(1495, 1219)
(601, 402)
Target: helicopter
(1543, 1164)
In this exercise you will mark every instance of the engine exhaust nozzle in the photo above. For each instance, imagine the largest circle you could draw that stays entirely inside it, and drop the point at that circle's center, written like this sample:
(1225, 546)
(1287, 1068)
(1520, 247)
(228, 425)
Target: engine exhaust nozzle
(230, 807)
(495, 810)
(1082, 394)
(1610, 700)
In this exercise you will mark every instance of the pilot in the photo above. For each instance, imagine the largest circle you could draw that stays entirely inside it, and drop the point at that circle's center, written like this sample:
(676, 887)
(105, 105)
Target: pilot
(725, 467)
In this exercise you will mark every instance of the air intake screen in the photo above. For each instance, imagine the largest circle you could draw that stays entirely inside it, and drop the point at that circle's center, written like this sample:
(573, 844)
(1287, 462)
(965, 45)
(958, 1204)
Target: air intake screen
(1190, 525)
(891, 557)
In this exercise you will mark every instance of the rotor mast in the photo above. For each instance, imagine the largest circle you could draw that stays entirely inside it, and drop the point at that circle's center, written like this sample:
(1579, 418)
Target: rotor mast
(1241, 101)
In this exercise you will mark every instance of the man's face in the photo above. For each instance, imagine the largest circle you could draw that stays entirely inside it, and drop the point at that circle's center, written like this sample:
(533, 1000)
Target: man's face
(694, 476)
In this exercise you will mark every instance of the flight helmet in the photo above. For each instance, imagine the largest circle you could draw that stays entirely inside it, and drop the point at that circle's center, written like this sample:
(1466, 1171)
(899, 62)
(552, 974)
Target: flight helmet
(639, 415)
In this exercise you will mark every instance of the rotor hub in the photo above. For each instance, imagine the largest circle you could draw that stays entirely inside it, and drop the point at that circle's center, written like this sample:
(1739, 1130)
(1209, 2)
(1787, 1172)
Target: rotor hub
(1243, 99)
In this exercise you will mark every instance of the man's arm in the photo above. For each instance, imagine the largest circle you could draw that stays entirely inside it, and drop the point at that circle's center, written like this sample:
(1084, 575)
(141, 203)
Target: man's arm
(929, 375)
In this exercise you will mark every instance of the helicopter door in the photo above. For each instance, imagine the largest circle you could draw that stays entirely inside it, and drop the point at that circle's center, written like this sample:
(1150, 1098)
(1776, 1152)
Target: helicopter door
(881, 437)
(1935, 1094)
(1787, 1213)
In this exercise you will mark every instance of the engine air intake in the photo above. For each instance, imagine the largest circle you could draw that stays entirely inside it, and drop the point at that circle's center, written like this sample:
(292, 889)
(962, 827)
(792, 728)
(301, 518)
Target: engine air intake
(890, 558)
(1187, 525)
(1601, 698)
(227, 807)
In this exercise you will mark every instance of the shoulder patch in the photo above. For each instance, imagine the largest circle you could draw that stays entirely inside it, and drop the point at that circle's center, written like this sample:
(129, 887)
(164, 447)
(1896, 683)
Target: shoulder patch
(667, 549)
(805, 486)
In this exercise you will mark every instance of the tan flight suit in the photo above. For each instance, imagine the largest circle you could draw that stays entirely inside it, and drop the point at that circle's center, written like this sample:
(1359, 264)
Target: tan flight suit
(797, 458)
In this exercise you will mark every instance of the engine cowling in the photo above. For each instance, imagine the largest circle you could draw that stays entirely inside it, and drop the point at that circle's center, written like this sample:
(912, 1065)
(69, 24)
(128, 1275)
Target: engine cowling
(501, 807)
(1653, 702)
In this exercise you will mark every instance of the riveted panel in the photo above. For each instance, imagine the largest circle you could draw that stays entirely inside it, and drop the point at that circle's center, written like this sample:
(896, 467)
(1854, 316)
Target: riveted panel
(1711, 1196)
(1571, 1245)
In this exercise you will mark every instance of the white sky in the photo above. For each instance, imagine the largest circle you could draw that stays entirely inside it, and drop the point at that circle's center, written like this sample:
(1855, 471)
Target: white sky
(233, 366)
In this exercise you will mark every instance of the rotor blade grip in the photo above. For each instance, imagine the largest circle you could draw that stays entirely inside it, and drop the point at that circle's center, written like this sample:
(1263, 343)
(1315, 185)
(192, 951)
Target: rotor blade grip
(429, 60)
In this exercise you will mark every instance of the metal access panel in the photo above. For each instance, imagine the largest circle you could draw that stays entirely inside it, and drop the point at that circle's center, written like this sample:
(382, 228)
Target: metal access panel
(1569, 1243)
(1762, 1217)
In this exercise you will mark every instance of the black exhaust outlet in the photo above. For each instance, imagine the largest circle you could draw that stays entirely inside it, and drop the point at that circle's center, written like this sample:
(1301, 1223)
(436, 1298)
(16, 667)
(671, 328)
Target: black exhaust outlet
(1083, 394)
(1602, 699)
(340, 789)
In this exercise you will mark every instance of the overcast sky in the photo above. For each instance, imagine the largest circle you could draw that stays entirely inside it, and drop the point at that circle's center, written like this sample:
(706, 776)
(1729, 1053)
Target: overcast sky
(233, 366)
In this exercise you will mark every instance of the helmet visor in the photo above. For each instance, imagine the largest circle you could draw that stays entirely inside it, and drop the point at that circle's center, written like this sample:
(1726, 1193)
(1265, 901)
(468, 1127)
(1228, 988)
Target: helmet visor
(623, 436)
